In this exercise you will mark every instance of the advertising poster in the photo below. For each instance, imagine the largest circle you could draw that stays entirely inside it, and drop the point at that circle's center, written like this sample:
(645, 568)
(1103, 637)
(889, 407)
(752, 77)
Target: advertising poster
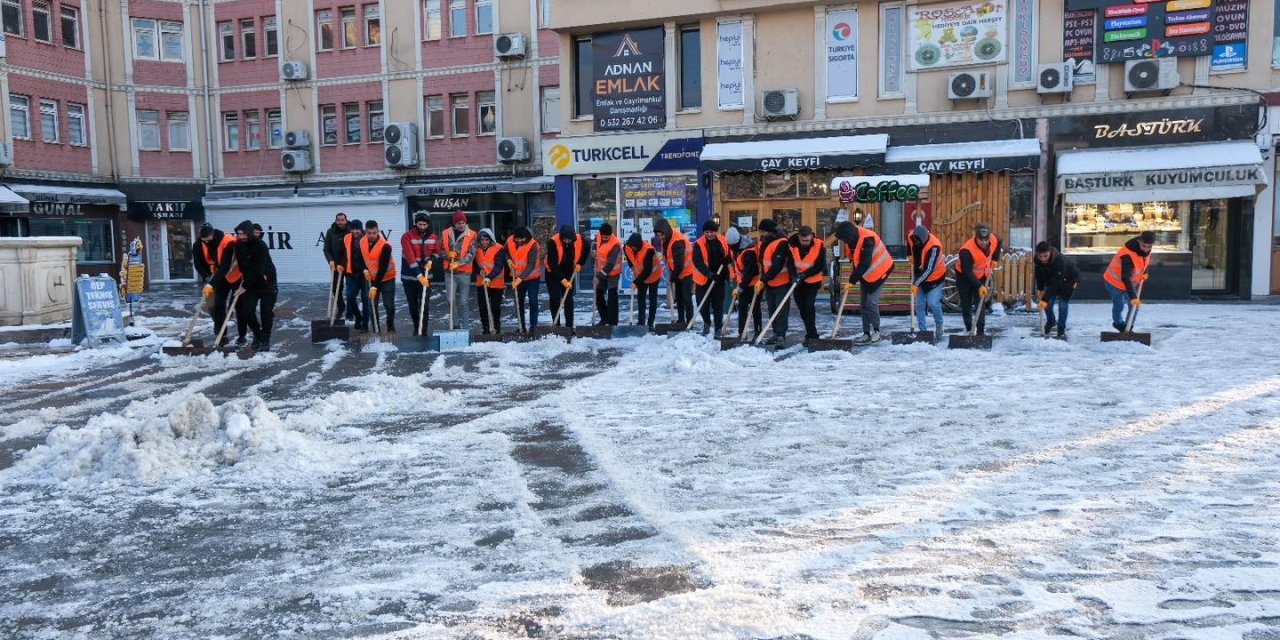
(1135, 30)
(629, 80)
(842, 54)
(729, 65)
(1078, 43)
(957, 34)
(653, 192)
(1230, 35)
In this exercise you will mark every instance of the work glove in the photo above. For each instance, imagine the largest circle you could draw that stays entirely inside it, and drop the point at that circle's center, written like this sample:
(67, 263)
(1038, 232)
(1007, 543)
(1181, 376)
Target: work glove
(735, 294)
(368, 276)
(848, 286)
(632, 289)
(577, 268)
(516, 282)
(208, 291)
(333, 266)
(759, 286)
(240, 291)
(373, 294)
(341, 269)
(486, 281)
(1144, 277)
(452, 267)
(453, 255)
(565, 283)
(1135, 303)
(914, 289)
(422, 280)
(983, 291)
(1042, 305)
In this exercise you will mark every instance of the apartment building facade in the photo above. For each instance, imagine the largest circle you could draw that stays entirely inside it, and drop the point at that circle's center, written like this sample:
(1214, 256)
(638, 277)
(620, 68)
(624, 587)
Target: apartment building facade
(1080, 122)
(147, 118)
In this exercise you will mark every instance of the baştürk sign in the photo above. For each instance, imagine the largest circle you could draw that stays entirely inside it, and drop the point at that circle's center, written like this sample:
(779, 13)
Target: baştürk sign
(1162, 179)
(629, 80)
(957, 34)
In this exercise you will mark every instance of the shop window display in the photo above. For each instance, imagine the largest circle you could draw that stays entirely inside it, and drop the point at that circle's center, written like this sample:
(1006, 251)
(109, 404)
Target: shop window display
(1104, 228)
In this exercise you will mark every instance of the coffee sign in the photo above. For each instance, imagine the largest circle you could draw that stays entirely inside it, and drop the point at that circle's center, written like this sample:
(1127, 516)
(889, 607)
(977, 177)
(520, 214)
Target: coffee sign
(884, 191)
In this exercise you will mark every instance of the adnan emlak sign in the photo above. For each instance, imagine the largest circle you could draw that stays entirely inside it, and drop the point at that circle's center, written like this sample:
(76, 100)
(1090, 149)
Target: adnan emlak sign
(629, 80)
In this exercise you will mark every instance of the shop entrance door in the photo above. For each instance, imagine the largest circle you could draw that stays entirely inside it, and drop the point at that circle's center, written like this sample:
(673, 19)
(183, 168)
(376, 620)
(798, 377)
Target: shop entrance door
(170, 257)
(1210, 247)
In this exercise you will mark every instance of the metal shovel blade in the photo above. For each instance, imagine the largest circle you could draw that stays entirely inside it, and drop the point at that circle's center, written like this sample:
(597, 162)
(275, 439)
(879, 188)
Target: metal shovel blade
(324, 332)
(1126, 336)
(316, 325)
(828, 344)
(417, 344)
(666, 328)
(490, 337)
(515, 337)
(599, 332)
(190, 350)
(912, 337)
(969, 342)
(630, 331)
(563, 332)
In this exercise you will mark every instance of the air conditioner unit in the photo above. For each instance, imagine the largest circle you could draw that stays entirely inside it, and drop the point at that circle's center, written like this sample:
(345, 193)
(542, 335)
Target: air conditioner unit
(513, 150)
(781, 103)
(295, 161)
(6, 154)
(509, 45)
(300, 139)
(400, 144)
(294, 70)
(1058, 77)
(1151, 75)
(969, 85)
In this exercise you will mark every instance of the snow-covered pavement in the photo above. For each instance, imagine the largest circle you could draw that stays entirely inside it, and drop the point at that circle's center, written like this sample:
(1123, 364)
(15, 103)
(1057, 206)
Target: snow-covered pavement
(652, 488)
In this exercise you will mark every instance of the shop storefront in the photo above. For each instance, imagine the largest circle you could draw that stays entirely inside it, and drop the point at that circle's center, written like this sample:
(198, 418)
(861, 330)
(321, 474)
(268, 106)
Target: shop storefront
(1191, 177)
(294, 220)
(499, 204)
(171, 215)
(628, 180)
(92, 213)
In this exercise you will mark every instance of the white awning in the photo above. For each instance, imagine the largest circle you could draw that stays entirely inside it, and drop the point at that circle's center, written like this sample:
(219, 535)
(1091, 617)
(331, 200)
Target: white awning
(70, 195)
(965, 157)
(10, 201)
(841, 152)
(1203, 171)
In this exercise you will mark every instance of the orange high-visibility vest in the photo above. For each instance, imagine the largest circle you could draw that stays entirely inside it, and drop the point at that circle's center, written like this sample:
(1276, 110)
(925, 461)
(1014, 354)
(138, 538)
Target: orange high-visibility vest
(803, 263)
(602, 255)
(373, 254)
(939, 267)
(487, 259)
(740, 266)
(647, 256)
(679, 238)
(233, 276)
(1113, 273)
(701, 246)
(982, 260)
(462, 251)
(784, 276)
(577, 249)
(881, 261)
(520, 259)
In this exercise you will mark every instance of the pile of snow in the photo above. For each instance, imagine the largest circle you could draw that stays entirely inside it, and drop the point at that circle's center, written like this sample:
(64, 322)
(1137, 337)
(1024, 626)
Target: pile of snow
(194, 439)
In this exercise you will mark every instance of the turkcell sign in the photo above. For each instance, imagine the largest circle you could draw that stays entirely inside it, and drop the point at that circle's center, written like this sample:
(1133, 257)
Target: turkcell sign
(624, 153)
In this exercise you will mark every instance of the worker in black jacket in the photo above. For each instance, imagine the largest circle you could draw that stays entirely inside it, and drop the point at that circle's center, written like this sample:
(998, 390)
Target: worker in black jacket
(746, 272)
(335, 252)
(810, 259)
(257, 285)
(646, 269)
(712, 263)
(1056, 279)
(566, 255)
(974, 268)
(779, 272)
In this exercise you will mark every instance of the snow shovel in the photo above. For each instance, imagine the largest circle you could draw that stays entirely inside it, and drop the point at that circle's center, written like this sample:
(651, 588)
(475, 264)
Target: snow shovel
(917, 333)
(555, 329)
(422, 341)
(1128, 335)
(631, 330)
(769, 325)
(189, 346)
(832, 344)
(972, 340)
(598, 331)
(217, 339)
(333, 328)
(451, 338)
(697, 313)
(494, 335)
(671, 326)
(742, 340)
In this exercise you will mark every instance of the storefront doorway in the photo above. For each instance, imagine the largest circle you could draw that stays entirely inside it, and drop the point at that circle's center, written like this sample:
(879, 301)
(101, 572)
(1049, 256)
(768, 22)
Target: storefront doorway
(170, 257)
(1210, 246)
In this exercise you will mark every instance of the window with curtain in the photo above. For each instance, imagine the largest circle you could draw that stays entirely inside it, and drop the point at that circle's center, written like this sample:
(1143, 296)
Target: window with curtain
(252, 130)
(431, 15)
(324, 27)
(179, 131)
(349, 39)
(231, 131)
(435, 116)
(351, 120)
(377, 120)
(487, 115)
(461, 114)
(75, 124)
(48, 121)
(329, 124)
(372, 25)
(248, 39)
(149, 130)
(20, 117)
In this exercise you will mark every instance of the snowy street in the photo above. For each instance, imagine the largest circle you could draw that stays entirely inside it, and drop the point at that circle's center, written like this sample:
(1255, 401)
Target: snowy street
(650, 487)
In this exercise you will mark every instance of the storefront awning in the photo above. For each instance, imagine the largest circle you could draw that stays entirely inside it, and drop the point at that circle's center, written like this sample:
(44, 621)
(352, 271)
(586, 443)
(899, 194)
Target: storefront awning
(473, 187)
(69, 195)
(964, 157)
(844, 152)
(11, 202)
(334, 195)
(1203, 171)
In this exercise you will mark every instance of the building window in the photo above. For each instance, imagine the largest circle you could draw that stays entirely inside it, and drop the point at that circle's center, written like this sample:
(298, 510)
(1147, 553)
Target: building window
(544, 15)
(11, 14)
(70, 28)
(179, 131)
(75, 124)
(435, 117)
(48, 121)
(248, 39)
(171, 42)
(551, 109)
(144, 39)
(97, 236)
(431, 13)
(351, 119)
(582, 78)
(487, 115)
(484, 17)
(376, 121)
(231, 130)
(252, 130)
(20, 117)
(349, 40)
(457, 18)
(690, 68)
(329, 124)
(275, 129)
(149, 130)
(41, 27)
(372, 25)
(228, 41)
(461, 114)
(324, 26)
(270, 37)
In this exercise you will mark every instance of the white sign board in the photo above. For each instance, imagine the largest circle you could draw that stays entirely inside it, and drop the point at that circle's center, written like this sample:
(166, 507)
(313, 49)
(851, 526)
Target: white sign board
(842, 54)
(729, 65)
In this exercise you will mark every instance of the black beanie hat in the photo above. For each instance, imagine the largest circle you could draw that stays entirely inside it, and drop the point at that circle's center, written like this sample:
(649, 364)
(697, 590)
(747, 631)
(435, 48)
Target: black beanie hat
(245, 226)
(1148, 237)
(606, 229)
(421, 216)
(635, 242)
(769, 225)
(567, 234)
(845, 232)
(356, 225)
(710, 225)
(206, 230)
(522, 233)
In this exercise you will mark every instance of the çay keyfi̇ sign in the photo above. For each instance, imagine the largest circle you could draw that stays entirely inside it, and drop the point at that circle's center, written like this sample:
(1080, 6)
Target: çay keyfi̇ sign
(629, 80)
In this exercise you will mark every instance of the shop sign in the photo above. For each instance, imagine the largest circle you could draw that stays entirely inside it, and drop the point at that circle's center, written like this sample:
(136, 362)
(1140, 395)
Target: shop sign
(56, 209)
(1164, 127)
(884, 191)
(1129, 30)
(1163, 179)
(629, 80)
(96, 313)
(957, 34)
(630, 153)
(653, 192)
(1230, 35)
(729, 65)
(167, 209)
(1078, 43)
(965, 165)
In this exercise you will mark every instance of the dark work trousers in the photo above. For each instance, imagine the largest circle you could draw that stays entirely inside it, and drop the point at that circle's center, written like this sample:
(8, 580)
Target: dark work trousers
(527, 301)
(745, 307)
(806, 296)
(557, 293)
(969, 306)
(684, 300)
(490, 309)
(258, 308)
(648, 298)
(776, 296)
(387, 294)
(218, 308)
(607, 304)
(836, 293)
(413, 292)
(713, 308)
(333, 286)
(357, 301)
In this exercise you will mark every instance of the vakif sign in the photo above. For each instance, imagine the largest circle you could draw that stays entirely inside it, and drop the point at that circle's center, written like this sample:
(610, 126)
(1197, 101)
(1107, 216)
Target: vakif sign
(620, 154)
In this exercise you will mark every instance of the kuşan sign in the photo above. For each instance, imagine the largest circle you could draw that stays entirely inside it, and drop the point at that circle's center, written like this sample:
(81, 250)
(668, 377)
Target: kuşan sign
(629, 80)
(1161, 179)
